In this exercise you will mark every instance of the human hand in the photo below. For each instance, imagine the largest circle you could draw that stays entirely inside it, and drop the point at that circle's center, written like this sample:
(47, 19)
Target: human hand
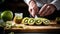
(33, 9)
(47, 9)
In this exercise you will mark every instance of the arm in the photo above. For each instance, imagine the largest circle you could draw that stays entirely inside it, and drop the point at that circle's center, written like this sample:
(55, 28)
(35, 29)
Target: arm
(56, 3)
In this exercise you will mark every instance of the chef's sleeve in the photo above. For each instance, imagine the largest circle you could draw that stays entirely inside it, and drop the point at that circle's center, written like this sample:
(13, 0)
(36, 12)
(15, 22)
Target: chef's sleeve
(27, 1)
(56, 3)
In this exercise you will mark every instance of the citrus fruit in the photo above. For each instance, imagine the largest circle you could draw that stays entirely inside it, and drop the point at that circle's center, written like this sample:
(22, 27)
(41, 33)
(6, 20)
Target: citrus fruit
(7, 15)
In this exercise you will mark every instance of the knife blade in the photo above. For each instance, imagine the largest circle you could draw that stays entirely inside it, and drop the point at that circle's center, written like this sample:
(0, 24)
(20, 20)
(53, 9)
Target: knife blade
(36, 16)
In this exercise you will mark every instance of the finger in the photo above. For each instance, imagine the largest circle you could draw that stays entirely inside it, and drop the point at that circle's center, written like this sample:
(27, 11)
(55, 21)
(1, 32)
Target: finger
(45, 11)
(42, 9)
(32, 12)
(36, 10)
(52, 10)
(48, 13)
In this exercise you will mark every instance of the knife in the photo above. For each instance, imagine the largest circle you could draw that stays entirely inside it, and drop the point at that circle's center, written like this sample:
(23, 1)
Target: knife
(36, 16)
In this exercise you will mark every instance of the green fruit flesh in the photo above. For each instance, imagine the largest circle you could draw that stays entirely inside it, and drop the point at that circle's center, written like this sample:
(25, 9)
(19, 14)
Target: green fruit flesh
(38, 22)
(26, 21)
(31, 21)
(46, 22)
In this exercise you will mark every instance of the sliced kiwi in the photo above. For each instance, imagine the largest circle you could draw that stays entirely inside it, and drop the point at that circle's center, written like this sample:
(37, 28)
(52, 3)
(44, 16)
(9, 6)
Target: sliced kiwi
(57, 18)
(38, 21)
(9, 24)
(31, 21)
(25, 20)
(46, 22)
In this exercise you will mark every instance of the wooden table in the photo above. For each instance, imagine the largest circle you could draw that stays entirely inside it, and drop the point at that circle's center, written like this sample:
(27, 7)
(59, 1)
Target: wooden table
(49, 28)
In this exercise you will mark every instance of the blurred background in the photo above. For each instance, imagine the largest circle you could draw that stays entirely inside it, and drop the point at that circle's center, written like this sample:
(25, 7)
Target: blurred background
(16, 6)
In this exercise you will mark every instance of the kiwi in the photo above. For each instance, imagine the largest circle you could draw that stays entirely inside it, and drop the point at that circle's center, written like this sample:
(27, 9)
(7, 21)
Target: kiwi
(57, 18)
(25, 20)
(38, 21)
(46, 22)
(31, 21)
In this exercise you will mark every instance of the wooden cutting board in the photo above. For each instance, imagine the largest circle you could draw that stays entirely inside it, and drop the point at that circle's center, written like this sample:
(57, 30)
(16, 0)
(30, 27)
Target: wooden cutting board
(36, 29)
(52, 27)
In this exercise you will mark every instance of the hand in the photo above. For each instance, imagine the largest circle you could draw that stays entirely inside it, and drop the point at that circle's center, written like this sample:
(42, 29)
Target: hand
(47, 9)
(33, 9)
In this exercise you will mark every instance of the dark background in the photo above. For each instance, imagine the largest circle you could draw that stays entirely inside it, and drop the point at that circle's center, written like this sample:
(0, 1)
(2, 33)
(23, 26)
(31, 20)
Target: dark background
(16, 6)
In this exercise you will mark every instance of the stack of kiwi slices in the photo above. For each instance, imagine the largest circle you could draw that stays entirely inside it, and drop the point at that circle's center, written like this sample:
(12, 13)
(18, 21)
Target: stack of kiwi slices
(35, 21)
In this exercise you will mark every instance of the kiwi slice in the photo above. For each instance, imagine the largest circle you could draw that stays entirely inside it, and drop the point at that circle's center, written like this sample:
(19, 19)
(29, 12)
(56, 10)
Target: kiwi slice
(8, 24)
(25, 20)
(46, 22)
(31, 21)
(57, 18)
(38, 21)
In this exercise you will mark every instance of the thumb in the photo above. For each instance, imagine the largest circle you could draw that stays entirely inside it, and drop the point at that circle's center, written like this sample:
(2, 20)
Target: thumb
(33, 12)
